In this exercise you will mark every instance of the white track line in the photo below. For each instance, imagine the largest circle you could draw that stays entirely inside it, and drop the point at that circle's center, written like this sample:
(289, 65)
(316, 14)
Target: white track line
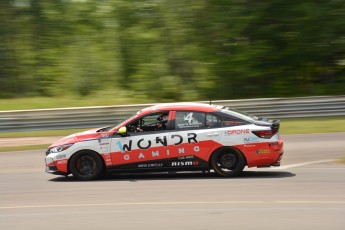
(306, 163)
(291, 165)
(175, 203)
(279, 208)
(131, 203)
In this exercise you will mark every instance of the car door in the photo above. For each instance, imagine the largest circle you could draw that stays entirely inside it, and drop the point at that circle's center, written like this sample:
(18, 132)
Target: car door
(194, 137)
(145, 145)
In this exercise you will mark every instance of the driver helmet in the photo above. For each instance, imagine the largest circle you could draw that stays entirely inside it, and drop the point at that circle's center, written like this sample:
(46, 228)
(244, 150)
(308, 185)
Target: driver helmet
(162, 117)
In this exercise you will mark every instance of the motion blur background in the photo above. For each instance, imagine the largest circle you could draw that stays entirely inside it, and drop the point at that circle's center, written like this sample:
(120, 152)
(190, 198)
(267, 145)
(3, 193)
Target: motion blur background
(74, 53)
(125, 51)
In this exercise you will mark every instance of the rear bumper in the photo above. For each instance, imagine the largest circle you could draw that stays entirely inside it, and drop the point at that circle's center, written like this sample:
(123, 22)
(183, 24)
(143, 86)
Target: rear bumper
(277, 163)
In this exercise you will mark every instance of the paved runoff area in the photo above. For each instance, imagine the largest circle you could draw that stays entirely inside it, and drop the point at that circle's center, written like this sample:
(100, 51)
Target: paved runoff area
(306, 192)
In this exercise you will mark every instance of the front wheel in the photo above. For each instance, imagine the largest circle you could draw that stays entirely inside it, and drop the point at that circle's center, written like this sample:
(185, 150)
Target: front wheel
(86, 165)
(228, 162)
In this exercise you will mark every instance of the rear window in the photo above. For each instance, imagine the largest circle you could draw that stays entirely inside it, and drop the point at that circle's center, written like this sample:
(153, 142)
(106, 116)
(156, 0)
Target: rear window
(240, 115)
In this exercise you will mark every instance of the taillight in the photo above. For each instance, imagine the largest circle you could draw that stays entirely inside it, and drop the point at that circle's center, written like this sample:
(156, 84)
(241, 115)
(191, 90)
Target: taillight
(267, 134)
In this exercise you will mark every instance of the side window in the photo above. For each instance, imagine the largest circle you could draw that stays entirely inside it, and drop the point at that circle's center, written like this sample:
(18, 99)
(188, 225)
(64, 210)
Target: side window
(213, 121)
(189, 119)
(151, 122)
(232, 121)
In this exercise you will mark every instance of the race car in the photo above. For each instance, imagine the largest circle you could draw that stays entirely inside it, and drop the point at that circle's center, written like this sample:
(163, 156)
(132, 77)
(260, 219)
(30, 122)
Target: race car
(171, 137)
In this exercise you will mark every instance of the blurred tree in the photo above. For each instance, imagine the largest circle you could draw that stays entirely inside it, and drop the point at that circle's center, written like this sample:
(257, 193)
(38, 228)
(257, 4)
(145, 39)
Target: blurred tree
(9, 74)
(172, 50)
(91, 49)
(160, 56)
(299, 42)
(274, 48)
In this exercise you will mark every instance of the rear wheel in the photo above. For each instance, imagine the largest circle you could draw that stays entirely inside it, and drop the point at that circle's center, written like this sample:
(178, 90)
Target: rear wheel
(86, 165)
(228, 162)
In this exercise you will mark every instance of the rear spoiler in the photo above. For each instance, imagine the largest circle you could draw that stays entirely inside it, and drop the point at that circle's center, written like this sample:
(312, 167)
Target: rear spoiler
(275, 125)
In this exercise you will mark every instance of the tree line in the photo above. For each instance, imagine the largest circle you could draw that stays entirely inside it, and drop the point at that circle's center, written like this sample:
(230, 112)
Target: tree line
(172, 50)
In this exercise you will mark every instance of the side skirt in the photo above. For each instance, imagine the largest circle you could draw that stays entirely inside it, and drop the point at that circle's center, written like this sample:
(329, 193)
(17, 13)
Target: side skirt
(186, 163)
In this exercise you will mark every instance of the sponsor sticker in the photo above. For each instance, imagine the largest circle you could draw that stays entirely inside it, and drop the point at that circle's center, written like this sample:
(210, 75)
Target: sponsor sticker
(237, 132)
(60, 156)
(185, 157)
(274, 143)
(152, 165)
(62, 162)
(263, 151)
(145, 143)
(184, 163)
(249, 140)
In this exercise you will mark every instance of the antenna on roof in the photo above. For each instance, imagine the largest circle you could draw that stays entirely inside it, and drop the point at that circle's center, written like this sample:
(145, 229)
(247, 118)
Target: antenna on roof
(210, 102)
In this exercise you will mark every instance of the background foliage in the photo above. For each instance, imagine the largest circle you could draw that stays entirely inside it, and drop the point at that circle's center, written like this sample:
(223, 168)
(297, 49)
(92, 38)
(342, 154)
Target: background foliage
(172, 50)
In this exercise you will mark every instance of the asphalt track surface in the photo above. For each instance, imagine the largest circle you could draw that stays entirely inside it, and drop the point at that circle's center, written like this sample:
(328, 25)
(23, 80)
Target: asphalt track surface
(307, 192)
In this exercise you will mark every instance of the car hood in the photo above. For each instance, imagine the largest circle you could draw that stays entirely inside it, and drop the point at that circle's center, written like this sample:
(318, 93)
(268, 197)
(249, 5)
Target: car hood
(81, 136)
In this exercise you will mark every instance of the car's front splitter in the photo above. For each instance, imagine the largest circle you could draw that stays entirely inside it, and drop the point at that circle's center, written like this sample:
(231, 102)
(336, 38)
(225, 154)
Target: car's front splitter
(53, 170)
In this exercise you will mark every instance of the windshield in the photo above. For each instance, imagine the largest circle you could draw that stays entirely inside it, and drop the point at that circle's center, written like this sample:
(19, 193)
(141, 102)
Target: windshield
(132, 117)
(118, 125)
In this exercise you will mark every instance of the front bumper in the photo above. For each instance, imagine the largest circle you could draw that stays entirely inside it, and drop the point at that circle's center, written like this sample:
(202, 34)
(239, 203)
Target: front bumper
(56, 166)
(54, 170)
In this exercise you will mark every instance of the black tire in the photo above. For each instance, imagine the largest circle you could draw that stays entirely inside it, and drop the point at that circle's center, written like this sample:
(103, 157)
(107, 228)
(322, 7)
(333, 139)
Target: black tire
(228, 162)
(86, 165)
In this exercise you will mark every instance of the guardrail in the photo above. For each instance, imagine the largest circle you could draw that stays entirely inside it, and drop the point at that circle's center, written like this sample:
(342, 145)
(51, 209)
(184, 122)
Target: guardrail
(96, 116)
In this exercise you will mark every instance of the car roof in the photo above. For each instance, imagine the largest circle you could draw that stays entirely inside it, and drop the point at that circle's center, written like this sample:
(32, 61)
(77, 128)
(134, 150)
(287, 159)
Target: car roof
(189, 106)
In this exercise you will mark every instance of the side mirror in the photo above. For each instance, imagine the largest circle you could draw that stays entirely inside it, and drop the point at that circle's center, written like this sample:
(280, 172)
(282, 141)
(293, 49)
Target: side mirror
(122, 131)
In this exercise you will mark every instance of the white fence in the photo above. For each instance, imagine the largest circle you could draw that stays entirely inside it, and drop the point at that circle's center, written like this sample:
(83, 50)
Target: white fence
(86, 117)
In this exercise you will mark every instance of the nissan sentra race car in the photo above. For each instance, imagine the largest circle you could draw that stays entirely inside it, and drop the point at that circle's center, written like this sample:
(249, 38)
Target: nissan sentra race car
(171, 137)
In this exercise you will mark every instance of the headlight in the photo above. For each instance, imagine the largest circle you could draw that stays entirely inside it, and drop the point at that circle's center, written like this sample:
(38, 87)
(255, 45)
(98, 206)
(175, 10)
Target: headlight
(59, 148)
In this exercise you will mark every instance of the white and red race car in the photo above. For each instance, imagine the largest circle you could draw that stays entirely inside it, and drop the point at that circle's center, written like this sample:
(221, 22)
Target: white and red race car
(171, 137)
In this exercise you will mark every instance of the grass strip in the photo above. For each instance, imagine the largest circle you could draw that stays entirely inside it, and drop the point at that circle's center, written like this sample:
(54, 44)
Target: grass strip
(342, 160)
(312, 125)
(59, 102)
(40, 133)
(22, 148)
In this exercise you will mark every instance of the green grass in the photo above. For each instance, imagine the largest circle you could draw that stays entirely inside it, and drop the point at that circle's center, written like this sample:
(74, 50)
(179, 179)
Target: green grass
(40, 133)
(312, 125)
(63, 102)
(22, 148)
(342, 160)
